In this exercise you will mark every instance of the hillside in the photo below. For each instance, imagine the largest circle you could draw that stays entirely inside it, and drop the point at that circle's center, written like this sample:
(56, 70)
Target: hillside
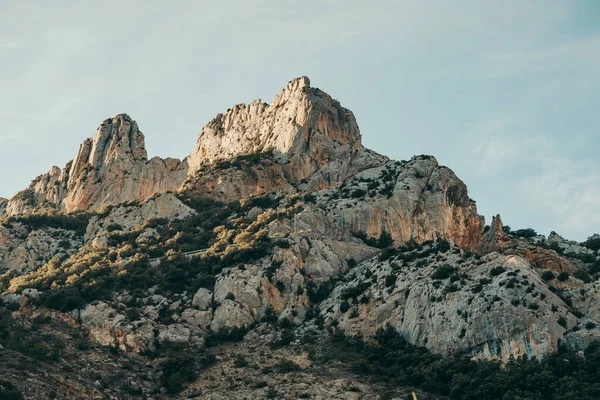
(282, 245)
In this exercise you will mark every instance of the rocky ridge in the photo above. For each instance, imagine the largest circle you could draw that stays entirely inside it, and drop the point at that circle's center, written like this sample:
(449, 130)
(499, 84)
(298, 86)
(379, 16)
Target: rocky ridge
(305, 141)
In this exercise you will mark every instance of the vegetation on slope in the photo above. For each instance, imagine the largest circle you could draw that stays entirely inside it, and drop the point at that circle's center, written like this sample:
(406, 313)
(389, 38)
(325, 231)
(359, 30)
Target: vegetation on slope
(389, 357)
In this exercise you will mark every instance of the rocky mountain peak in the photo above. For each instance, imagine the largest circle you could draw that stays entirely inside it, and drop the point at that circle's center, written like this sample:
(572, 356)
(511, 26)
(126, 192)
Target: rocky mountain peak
(301, 121)
(111, 167)
(308, 142)
(294, 87)
(115, 139)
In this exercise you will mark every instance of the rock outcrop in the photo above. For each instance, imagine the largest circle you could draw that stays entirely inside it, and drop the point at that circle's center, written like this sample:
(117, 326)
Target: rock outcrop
(303, 126)
(449, 303)
(23, 249)
(567, 246)
(110, 168)
(125, 217)
(495, 238)
(417, 200)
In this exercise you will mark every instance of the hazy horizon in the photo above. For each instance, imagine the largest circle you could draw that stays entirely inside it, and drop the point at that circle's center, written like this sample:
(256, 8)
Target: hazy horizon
(504, 94)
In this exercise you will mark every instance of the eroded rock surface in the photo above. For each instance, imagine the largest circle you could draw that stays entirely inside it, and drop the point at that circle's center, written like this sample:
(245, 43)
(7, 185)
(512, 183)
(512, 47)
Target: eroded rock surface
(23, 249)
(112, 167)
(449, 303)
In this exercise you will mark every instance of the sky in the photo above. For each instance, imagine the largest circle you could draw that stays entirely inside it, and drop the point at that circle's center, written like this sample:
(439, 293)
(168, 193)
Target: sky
(506, 94)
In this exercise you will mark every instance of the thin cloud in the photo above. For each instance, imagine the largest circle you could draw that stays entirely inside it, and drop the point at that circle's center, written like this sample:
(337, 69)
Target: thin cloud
(545, 183)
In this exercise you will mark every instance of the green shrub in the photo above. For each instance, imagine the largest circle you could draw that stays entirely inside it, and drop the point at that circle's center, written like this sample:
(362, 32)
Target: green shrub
(358, 193)
(443, 245)
(562, 321)
(547, 275)
(524, 233)
(344, 307)
(582, 275)
(384, 240)
(592, 242)
(497, 271)
(177, 372)
(443, 272)
(76, 222)
(280, 286)
(318, 293)
(240, 361)
(354, 291)
(287, 334)
(224, 335)
(286, 366)
(9, 392)
(390, 280)
(590, 325)
(554, 246)
(387, 253)
(563, 276)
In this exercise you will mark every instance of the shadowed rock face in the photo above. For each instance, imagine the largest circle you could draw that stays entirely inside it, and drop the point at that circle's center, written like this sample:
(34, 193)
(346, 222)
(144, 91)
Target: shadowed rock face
(305, 141)
(489, 320)
(3, 203)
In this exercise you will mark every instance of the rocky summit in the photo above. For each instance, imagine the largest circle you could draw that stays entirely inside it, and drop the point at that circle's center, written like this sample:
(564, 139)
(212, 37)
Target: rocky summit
(283, 259)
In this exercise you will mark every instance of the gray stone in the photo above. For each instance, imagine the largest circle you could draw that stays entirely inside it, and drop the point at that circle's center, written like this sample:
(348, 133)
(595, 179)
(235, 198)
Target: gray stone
(202, 299)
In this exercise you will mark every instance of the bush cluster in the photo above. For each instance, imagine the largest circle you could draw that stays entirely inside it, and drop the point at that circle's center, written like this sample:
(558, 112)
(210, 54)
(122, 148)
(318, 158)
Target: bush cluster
(390, 358)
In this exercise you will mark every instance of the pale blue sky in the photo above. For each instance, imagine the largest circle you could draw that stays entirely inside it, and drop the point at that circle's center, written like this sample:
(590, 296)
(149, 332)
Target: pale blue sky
(505, 93)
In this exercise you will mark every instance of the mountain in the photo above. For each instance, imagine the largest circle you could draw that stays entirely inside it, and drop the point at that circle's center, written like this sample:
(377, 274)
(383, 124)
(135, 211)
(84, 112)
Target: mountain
(281, 244)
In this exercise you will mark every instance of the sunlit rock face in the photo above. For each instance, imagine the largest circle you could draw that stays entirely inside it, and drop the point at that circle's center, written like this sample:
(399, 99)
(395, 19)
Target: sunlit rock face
(303, 142)
(303, 126)
(417, 199)
(110, 168)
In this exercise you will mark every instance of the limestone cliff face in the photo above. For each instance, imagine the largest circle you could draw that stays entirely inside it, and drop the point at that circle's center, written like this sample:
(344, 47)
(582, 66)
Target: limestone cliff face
(110, 168)
(318, 250)
(126, 217)
(233, 183)
(417, 200)
(303, 126)
(479, 306)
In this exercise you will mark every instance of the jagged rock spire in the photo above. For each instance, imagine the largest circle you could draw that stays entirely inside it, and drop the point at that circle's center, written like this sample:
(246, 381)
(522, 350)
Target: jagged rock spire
(301, 121)
(495, 236)
(111, 167)
(115, 139)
